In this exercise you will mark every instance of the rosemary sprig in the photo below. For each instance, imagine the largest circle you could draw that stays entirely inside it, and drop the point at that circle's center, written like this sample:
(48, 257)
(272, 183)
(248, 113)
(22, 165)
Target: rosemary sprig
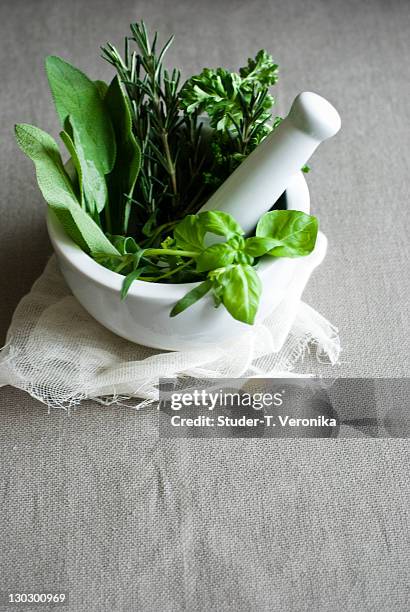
(170, 141)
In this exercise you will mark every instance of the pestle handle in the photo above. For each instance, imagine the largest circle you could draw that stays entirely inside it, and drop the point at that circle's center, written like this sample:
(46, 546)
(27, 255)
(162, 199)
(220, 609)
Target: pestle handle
(253, 188)
(315, 116)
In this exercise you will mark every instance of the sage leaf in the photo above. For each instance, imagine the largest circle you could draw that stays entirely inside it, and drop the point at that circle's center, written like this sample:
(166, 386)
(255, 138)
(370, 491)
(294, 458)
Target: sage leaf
(102, 88)
(240, 293)
(125, 244)
(128, 161)
(58, 191)
(295, 230)
(94, 186)
(85, 119)
(219, 223)
(191, 297)
(77, 97)
(79, 226)
(68, 141)
(52, 178)
(215, 256)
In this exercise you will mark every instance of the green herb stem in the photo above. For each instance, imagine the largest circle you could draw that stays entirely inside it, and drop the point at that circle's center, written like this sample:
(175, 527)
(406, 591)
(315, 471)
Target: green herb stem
(177, 252)
(167, 274)
(170, 163)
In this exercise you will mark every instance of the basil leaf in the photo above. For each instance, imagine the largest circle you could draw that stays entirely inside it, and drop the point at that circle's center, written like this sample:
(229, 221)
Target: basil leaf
(58, 192)
(215, 256)
(191, 297)
(241, 290)
(189, 234)
(220, 223)
(258, 246)
(295, 231)
(77, 97)
(123, 177)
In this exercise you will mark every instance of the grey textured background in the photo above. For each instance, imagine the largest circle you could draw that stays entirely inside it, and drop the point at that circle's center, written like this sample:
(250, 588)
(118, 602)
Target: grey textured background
(94, 502)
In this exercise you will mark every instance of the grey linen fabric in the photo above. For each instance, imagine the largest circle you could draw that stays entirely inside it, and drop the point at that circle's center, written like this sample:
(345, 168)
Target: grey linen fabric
(95, 502)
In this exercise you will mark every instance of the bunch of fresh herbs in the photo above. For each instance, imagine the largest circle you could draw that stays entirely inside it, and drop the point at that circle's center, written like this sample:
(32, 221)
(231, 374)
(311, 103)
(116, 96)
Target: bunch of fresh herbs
(227, 269)
(145, 155)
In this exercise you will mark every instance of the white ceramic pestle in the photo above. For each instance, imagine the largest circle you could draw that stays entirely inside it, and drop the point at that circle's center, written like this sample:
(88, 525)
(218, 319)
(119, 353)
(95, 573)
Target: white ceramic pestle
(261, 179)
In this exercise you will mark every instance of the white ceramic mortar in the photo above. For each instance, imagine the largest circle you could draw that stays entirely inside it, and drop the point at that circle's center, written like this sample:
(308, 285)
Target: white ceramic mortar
(143, 317)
